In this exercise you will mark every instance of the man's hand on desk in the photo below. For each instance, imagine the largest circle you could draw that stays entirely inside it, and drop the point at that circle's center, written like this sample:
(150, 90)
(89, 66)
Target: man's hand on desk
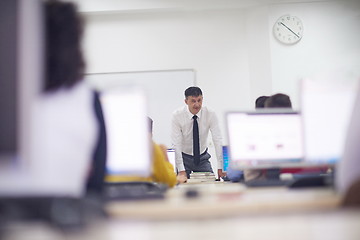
(221, 173)
(181, 177)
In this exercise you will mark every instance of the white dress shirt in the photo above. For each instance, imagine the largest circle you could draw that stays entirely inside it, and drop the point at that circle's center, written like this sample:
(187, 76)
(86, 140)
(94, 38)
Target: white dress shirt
(64, 138)
(182, 134)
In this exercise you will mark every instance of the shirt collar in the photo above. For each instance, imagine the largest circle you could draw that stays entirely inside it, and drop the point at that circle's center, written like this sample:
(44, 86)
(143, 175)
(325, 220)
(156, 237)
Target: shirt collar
(190, 115)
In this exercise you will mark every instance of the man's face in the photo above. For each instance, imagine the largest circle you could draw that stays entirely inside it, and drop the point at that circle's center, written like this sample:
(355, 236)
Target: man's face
(194, 103)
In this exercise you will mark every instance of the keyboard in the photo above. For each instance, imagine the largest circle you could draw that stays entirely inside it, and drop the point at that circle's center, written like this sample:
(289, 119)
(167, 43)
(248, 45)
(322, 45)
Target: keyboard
(267, 183)
(300, 181)
(134, 191)
(318, 180)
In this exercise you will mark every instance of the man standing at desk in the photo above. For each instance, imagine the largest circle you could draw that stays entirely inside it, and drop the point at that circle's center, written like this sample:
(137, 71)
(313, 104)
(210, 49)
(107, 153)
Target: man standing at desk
(189, 133)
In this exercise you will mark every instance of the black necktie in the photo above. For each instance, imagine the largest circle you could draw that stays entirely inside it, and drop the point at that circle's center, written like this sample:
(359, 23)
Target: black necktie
(196, 147)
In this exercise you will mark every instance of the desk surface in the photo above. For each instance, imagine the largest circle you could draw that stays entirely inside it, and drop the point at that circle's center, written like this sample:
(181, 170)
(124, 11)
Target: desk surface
(225, 200)
(221, 211)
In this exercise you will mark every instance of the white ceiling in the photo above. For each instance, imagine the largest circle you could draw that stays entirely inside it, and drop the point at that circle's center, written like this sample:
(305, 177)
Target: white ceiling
(98, 6)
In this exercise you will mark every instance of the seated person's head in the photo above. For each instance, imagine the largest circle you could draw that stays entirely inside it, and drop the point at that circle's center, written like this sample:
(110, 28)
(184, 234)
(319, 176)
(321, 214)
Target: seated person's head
(64, 60)
(260, 101)
(278, 100)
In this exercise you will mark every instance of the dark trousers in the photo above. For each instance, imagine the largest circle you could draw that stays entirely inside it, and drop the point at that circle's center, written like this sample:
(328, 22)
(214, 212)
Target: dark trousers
(190, 166)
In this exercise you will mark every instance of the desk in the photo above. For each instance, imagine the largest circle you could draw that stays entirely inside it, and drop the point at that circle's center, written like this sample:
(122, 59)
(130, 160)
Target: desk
(261, 213)
(225, 200)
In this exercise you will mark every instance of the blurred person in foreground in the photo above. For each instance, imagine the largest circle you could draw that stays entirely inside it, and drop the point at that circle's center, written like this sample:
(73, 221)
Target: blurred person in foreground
(65, 128)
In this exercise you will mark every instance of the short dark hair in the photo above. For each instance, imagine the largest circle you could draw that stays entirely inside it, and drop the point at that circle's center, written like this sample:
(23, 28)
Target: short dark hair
(260, 101)
(278, 100)
(193, 91)
(64, 60)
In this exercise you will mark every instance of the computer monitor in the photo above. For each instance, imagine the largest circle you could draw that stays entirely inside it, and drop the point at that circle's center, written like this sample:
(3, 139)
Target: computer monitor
(326, 106)
(265, 139)
(171, 157)
(128, 136)
(8, 78)
(21, 72)
(226, 158)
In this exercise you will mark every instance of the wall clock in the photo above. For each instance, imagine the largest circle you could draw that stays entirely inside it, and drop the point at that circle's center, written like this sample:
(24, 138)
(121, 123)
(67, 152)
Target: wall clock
(288, 29)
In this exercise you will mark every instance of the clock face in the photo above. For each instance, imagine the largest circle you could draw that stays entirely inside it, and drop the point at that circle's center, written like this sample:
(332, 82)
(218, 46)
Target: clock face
(288, 29)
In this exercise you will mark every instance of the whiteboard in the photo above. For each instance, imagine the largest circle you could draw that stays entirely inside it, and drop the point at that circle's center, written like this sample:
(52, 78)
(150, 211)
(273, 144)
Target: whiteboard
(164, 92)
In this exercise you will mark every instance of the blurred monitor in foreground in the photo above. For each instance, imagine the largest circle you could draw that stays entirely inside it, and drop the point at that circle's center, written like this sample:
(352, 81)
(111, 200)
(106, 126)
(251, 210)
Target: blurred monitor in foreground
(348, 171)
(52, 128)
(326, 108)
(128, 139)
(265, 139)
(21, 74)
(21, 58)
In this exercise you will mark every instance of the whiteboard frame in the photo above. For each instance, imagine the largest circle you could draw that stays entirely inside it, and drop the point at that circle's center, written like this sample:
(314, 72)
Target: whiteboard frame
(164, 90)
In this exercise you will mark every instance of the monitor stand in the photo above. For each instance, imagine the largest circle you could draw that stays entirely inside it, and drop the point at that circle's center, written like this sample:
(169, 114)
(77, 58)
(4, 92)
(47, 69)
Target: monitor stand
(302, 180)
(272, 179)
(312, 180)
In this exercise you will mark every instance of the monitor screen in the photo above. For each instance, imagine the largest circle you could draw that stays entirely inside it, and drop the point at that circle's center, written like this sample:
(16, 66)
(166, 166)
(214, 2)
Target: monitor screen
(171, 157)
(226, 159)
(265, 139)
(8, 79)
(21, 71)
(21, 77)
(326, 108)
(128, 136)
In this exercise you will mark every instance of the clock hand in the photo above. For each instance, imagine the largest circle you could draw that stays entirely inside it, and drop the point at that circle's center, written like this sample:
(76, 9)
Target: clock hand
(289, 29)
